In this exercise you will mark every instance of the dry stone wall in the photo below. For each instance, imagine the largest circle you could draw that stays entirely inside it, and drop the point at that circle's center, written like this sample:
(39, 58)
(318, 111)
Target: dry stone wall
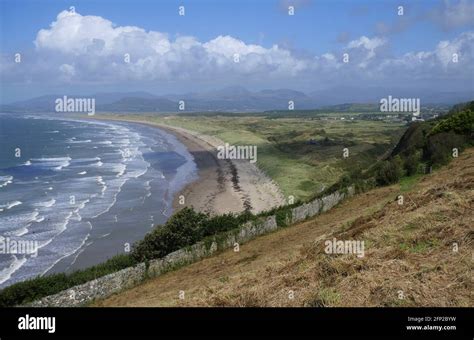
(129, 277)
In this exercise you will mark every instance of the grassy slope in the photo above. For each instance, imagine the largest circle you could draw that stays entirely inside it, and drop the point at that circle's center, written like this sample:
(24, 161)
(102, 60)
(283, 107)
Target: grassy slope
(408, 249)
(284, 153)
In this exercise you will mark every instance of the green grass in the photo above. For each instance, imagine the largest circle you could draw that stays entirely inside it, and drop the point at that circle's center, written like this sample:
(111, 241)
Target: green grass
(419, 247)
(284, 151)
(407, 183)
(324, 298)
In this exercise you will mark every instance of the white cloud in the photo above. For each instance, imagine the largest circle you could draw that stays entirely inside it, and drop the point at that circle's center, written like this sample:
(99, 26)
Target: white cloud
(436, 64)
(90, 50)
(152, 54)
(453, 14)
(365, 49)
(67, 70)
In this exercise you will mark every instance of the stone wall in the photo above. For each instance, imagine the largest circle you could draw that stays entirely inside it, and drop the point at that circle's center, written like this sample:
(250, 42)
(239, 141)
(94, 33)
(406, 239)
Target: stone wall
(129, 277)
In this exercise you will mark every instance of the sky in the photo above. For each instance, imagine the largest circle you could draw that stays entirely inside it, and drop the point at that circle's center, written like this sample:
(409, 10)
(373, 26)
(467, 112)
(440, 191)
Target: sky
(106, 45)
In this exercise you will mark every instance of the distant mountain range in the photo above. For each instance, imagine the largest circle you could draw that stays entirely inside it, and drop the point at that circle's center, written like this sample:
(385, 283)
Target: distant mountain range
(237, 99)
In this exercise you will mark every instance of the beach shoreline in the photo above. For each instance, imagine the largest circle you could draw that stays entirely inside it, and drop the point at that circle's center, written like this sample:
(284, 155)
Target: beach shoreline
(222, 186)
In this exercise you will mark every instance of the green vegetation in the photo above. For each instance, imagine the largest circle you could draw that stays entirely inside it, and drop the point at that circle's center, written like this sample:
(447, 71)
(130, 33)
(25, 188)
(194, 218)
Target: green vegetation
(431, 143)
(459, 122)
(325, 297)
(427, 145)
(302, 155)
(390, 171)
(33, 289)
(408, 182)
(183, 229)
(419, 247)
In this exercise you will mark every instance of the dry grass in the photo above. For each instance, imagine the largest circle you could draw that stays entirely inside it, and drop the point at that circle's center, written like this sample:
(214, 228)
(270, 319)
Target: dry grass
(410, 257)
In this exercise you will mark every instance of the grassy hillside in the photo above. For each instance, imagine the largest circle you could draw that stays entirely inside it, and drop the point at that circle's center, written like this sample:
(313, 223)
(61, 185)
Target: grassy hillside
(433, 141)
(416, 254)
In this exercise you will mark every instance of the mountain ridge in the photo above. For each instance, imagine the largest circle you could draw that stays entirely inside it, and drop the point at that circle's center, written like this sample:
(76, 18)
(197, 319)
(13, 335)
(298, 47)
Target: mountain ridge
(234, 99)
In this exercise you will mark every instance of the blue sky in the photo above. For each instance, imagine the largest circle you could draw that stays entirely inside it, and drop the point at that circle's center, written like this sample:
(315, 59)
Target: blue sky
(315, 27)
(318, 28)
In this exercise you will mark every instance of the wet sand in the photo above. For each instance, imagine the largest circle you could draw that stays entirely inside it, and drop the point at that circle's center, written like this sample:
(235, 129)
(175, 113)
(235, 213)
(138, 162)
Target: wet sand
(223, 185)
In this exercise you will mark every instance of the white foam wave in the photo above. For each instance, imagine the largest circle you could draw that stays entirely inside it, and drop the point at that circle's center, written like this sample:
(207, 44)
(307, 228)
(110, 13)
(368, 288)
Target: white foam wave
(6, 273)
(10, 205)
(79, 141)
(56, 163)
(6, 180)
(120, 169)
(46, 204)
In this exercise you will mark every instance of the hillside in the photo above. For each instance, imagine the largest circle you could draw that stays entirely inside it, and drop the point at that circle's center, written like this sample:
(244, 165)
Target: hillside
(416, 254)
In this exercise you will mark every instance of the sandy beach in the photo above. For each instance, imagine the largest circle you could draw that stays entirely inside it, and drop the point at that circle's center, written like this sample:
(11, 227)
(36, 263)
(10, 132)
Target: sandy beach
(223, 185)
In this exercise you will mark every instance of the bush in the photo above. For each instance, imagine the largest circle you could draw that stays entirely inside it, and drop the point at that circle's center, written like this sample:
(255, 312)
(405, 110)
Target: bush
(283, 216)
(183, 229)
(390, 171)
(411, 164)
(461, 123)
(439, 148)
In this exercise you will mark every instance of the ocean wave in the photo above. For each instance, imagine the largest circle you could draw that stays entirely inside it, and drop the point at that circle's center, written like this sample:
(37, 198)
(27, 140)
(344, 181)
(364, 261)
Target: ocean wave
(71, 252)
(56, 163)
(86, 160)
(78, 141)
(46, 204)
(100, 181)
(120, 169)
(82, 173)
(6, 273)
(39, 219)
(5, 180)
(18, 221)
(18, 232)
(10, 205)
(124, 141)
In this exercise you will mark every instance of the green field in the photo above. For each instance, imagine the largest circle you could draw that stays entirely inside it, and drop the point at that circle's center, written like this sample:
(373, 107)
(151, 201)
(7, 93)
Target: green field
(302, 155)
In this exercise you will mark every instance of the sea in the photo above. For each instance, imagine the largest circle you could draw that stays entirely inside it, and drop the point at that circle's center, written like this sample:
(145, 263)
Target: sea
(79, 191)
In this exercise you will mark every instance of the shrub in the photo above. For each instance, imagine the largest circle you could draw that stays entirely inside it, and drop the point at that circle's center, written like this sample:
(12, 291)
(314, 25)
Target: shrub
(390, 171)
(461, 123)
(411, 163)
(439, 148)
(183, 229)
(283, 216)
